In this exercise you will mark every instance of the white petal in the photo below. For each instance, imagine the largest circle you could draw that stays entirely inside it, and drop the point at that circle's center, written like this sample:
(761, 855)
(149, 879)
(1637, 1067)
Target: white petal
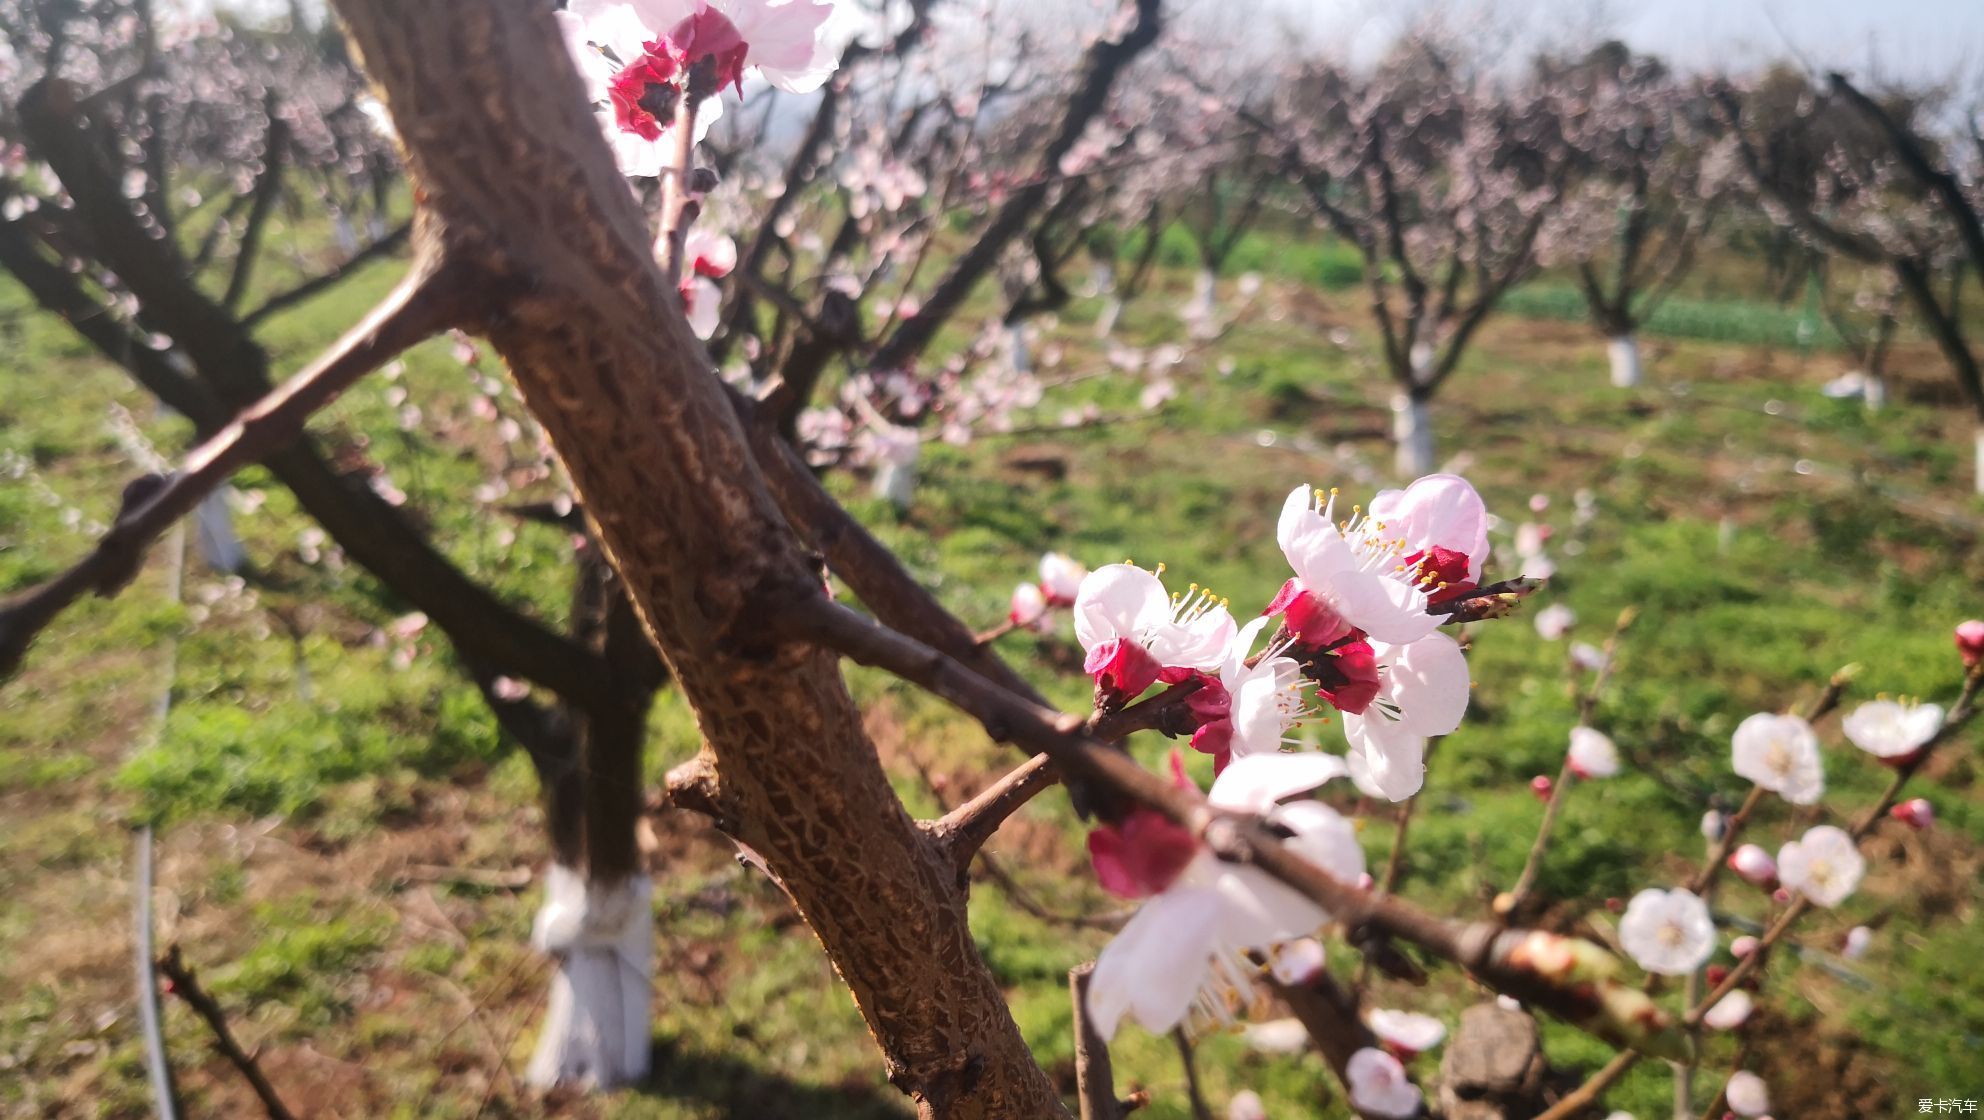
(1114, 602)
(1154, 967)
(1389, 610)
(1428, 680)
(1255, 783)
(1199, 644)
(1324, 838)
(1385, 760)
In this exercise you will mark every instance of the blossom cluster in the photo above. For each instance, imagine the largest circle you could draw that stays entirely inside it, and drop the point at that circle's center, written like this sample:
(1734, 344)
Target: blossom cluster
(1356, 631)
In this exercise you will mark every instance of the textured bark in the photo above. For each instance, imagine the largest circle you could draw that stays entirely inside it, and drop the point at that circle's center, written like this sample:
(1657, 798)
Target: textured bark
(509, 161)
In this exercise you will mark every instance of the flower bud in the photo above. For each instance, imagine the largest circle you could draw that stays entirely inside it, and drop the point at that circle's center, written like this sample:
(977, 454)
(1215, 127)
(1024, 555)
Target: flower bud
(1970, 641)
(1917, 814)
(1754, 865)
(1541, 786)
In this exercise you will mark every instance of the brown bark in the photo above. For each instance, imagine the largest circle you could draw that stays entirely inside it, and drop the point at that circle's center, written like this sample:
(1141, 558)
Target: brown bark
(509, 161)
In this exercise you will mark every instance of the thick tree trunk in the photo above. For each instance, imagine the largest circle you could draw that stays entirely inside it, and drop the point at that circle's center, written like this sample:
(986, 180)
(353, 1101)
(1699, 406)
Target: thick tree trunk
(509, 160)
(1624, 352)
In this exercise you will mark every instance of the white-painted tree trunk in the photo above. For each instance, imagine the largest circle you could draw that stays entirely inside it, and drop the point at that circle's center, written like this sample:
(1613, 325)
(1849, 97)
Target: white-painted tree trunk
(1205, 294)
(1624, 350)
(895, 469)
(1412, 436)
(1874, 390)
(1980, 458)
(219, 546)
(1105, 323)
(1017, 351)
(597, 1031)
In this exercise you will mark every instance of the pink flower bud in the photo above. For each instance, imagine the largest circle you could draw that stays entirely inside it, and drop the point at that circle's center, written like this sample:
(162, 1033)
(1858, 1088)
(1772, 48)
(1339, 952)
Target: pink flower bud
(1970, 641)
(1754, 864)
(1743, 947)
(1917, 814)
(1780, 896)
(1541, 785)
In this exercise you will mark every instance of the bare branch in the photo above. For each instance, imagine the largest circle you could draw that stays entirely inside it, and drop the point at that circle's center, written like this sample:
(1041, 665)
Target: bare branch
(268, 185)
(1104, 60)
(1095, 1082)
(390, 243)
(186, 985)
(420, 307)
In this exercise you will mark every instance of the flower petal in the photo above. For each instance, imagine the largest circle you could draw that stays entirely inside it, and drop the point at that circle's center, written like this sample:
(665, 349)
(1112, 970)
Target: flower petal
(1254, 784)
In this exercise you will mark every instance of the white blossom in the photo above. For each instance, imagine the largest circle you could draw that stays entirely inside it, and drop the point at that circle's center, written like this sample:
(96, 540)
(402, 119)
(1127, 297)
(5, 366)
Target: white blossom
(1781, 754)
(1824, 865)
(1667, 932)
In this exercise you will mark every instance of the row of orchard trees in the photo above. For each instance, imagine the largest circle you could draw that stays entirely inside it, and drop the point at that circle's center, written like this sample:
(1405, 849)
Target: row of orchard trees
(1455, 182)
(145, 155)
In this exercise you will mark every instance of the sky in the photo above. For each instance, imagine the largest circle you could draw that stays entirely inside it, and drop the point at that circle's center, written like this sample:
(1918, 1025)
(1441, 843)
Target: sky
(1890, 39)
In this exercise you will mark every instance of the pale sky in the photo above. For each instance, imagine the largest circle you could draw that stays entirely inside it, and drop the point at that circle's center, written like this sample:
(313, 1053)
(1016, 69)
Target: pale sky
(1890, 38)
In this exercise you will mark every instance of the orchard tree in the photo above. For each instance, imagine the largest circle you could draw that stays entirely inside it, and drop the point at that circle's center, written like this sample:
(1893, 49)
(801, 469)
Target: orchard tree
(1875, 180)
(1442, 181)
(1645, 188)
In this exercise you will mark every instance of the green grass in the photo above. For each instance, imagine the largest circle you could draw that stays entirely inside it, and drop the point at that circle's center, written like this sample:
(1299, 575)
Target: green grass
(1765, 535)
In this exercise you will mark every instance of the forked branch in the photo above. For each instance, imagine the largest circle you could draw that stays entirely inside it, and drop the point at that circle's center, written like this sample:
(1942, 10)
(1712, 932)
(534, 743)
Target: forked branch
(423, 305)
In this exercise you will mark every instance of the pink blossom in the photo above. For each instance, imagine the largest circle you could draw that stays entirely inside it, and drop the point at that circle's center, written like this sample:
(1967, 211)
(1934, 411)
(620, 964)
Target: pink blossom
(1379, 1086)
(1858, 940)
(1061, 578)
(1893, 731)
(1246, 1104)
(1133, 631)
(1730, 1012)
(1406, 1033)
(1298, 962)
(1422, 692)
(781, 41)
(1592, 754)
(1824, 865)
(1747, 1094)
(1781, 754)
(1667, 932)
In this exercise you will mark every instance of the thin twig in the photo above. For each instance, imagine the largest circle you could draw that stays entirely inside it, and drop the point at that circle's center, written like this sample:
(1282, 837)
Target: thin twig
(1095, 1082)
(186, 986)
(1587, 704)
(1185, 1058)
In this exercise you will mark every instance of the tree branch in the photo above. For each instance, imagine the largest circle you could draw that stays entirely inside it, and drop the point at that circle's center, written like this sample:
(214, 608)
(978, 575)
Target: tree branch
(422, 306)
(186, 985)
(275, 149)
(390, 243)
(1505, 961)
(1105, 59)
